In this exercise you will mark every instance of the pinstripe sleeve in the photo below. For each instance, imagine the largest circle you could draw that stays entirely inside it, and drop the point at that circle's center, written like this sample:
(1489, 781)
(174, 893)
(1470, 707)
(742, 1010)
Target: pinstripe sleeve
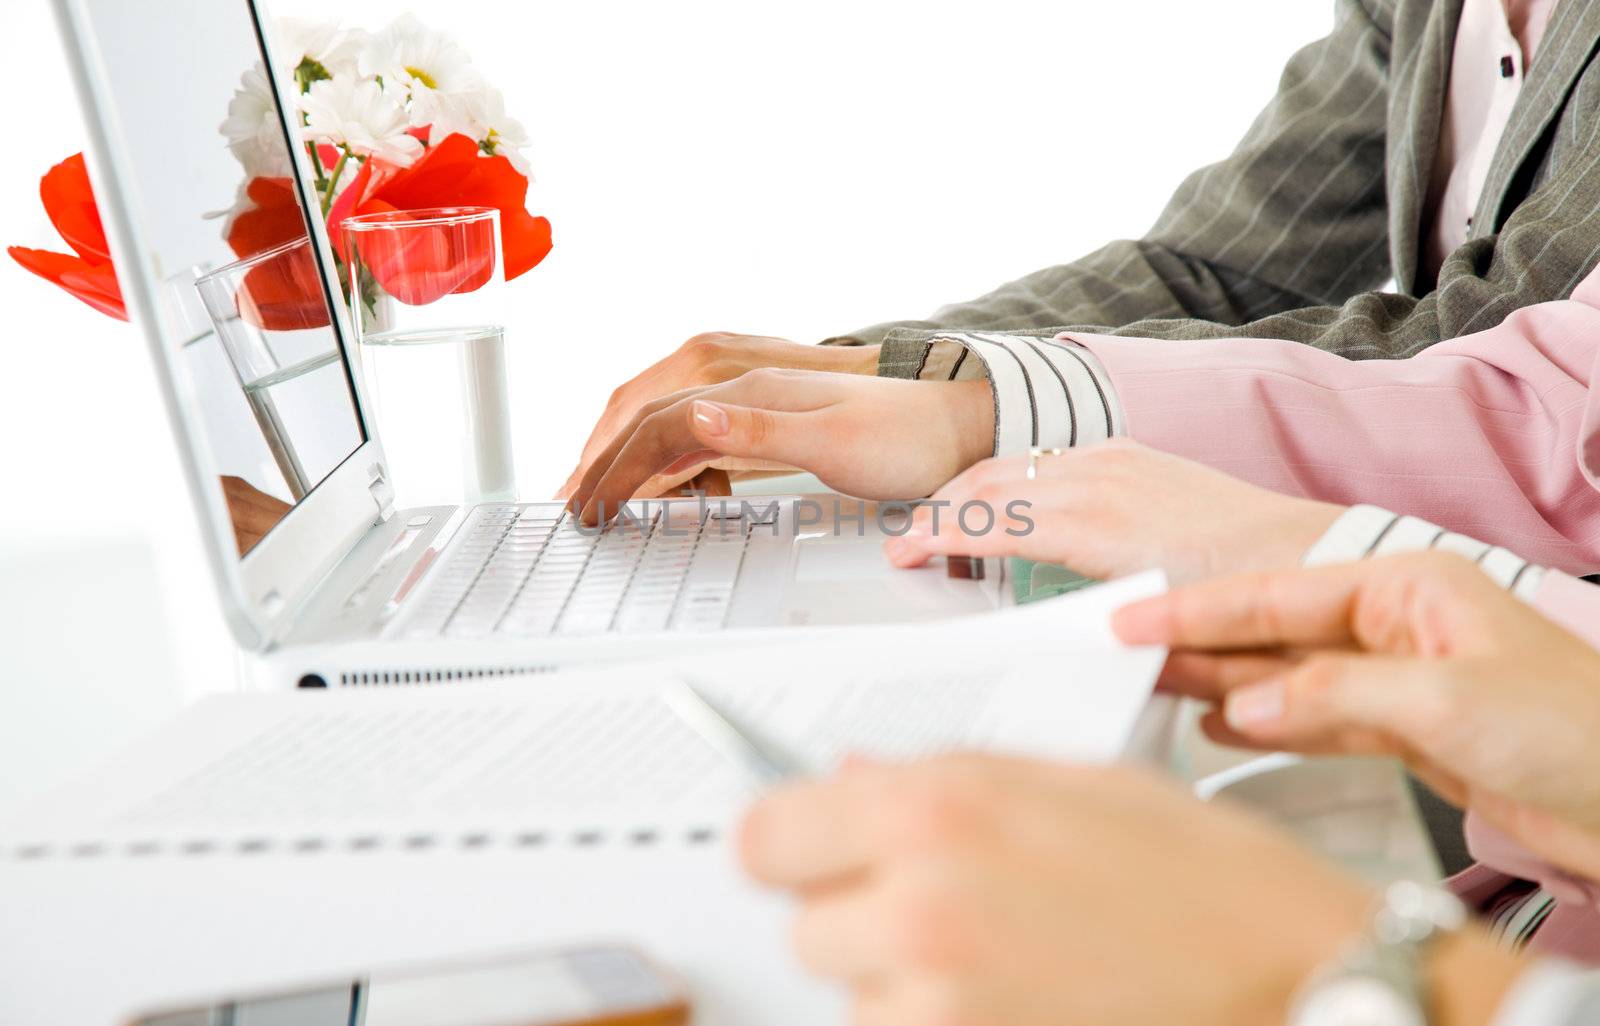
(1048, 392)
(1365, 532)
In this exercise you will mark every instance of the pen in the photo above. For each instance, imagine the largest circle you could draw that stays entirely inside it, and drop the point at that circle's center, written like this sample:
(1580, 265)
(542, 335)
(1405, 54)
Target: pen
(766, 765)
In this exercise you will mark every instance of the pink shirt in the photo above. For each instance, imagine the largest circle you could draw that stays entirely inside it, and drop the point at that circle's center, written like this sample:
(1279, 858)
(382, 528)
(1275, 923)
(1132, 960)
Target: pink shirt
(1495, 435)
(1495, 45)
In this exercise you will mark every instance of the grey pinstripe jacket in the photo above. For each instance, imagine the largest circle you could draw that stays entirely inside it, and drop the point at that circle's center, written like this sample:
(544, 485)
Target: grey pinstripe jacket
(1323, 201)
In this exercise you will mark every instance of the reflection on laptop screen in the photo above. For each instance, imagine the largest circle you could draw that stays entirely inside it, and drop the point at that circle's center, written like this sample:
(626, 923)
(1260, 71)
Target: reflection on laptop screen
(226, 234)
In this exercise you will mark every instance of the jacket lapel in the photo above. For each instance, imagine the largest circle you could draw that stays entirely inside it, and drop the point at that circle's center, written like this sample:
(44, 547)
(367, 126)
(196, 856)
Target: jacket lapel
(1416, 119)
(1569, 45)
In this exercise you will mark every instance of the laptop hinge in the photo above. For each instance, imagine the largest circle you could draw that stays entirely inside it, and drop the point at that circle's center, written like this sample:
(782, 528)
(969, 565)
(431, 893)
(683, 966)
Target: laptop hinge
(382, 491)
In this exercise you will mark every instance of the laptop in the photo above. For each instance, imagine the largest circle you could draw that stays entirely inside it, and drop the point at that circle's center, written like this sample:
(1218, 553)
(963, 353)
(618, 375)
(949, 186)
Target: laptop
(323, 580)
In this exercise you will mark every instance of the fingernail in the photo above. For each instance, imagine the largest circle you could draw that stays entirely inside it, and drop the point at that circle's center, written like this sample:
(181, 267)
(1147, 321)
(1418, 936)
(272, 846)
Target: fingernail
(917, 533)
(1255, 706)
(713, 419)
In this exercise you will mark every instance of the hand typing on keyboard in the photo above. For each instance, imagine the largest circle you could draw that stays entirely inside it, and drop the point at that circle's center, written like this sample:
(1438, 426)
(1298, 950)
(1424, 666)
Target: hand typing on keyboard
(873, 438)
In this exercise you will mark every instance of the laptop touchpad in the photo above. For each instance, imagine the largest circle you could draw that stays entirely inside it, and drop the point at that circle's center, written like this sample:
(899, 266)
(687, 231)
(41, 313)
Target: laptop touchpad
(850, 581)
(839, 559)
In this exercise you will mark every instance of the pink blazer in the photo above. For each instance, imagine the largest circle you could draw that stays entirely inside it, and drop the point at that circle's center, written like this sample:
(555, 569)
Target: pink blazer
(1495, 435)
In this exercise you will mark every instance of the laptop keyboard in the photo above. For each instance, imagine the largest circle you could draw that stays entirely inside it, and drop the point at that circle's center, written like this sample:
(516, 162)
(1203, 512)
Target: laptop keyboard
(530, 571)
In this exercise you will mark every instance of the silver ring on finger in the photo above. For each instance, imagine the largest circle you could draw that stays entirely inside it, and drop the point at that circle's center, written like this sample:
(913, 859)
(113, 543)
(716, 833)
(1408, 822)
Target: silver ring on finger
(1035, 455)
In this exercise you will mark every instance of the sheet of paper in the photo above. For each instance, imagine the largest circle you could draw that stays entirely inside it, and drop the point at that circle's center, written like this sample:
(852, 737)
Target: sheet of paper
(260, 841)
(595, 757)
(575, 759)
(1047, 679)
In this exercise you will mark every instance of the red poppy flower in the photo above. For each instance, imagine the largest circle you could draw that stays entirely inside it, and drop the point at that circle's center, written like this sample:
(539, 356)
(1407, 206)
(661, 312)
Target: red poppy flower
(272, 219)
(86, 272)
(444, 251)
(452, 173)
(284, 293)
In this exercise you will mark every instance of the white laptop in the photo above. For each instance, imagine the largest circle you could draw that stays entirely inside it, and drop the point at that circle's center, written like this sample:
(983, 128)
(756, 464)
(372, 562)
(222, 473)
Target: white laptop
(344, 588)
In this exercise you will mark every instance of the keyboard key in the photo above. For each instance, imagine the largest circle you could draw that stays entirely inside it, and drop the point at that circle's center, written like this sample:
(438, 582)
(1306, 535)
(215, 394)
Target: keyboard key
(714, 565)
(573, 622)
(531, 571)
(529, 624)
(680, 519)
(641, 620)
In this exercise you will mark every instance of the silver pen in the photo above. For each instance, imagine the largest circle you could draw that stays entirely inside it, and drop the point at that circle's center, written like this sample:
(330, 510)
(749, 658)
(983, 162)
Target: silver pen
(765, 764)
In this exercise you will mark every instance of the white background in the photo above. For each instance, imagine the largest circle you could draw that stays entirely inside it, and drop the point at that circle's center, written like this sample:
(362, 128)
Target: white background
(797, 170)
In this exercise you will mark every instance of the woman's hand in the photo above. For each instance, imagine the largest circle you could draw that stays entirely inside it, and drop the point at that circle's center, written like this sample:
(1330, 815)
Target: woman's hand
(711, 359)
(995, 892)
(874, 438)
(1418, 656)
(1114, 509)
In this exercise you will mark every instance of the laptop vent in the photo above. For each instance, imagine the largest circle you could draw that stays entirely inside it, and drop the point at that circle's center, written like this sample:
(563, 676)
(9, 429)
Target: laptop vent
(368, 678)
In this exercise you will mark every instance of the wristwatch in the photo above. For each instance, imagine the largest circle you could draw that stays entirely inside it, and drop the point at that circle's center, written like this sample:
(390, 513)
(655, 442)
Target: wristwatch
(1378, 980)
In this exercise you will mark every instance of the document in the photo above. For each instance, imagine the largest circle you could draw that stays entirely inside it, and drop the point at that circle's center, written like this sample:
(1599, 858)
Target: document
(588, 758)
(266, 839)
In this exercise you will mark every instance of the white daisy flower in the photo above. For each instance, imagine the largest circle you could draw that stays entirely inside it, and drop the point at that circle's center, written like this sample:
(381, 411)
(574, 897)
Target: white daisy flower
(252, 128)
(356, 112)
(427, 69)
(482, 116)
(315, 50)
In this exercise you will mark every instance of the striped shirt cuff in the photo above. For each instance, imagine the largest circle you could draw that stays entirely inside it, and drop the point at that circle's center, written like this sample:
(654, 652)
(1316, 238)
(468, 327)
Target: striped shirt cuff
(1363, 532)
(1551, 994)
(1050, 393)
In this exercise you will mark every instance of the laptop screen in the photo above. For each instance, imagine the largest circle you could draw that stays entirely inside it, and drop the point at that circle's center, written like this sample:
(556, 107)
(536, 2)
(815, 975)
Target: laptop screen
(243, 297)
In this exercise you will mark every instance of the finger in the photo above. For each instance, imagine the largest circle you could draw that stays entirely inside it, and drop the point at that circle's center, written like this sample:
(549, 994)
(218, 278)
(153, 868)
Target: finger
(669, 375)
(997, 520)
(1209, 676)
(1214, 724)
(620, 412)
(810, 834)
(846, 934)
(691, 432)
(1290, 608)
(766, 390)
(711, 481)
(1403, 699)
(999, 476)
(1010, 473)
(591, 472)
(676, 482)
(909, 1000)
(694, 474)
(1215, 727)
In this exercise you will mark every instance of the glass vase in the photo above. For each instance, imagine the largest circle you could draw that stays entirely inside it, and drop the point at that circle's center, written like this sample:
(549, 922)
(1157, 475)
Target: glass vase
(426, 295)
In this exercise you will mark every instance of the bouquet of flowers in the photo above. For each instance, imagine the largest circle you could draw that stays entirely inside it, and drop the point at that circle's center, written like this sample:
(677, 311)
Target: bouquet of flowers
(395, 120)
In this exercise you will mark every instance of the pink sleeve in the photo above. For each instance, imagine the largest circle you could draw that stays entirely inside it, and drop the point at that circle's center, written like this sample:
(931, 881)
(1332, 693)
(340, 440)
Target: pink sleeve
(1491, 435)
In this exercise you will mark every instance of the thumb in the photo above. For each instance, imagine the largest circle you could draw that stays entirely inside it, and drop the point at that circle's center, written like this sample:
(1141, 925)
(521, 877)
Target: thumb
(1326, 696)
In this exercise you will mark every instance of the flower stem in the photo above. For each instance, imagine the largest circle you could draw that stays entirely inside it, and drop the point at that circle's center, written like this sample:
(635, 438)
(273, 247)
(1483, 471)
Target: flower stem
(333, 181)
(316, 165)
